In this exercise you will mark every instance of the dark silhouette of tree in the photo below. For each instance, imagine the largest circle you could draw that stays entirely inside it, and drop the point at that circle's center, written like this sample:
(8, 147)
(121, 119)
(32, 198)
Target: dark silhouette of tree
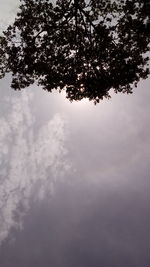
(83, 47)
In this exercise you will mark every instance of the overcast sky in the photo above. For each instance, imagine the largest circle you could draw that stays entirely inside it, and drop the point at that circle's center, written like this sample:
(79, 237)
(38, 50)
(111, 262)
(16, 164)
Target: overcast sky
(74, 177)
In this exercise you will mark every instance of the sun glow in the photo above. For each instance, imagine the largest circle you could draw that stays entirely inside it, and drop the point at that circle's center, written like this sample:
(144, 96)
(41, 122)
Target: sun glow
(83, 104)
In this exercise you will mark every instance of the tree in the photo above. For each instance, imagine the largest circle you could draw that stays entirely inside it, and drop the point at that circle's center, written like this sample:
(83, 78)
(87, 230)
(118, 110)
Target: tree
(83, 47)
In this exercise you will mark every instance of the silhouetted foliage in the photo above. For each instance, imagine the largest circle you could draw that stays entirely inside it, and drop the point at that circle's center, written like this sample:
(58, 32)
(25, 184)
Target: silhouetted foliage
(83, 47)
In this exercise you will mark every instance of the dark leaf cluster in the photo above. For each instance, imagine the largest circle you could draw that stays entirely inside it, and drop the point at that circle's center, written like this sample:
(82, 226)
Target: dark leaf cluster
(83, 47)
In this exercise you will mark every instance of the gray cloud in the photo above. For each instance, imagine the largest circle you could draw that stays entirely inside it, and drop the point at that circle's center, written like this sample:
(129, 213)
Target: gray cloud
(101, 217)
(83, 225)
(8, 9)
(30, 157)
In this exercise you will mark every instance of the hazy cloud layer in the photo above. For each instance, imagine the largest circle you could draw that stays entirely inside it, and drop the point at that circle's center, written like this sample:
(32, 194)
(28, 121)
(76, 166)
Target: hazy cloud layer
(8, 9)
(30, 157)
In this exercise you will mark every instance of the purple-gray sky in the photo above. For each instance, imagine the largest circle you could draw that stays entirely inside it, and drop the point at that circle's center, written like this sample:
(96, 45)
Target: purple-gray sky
(74, 177)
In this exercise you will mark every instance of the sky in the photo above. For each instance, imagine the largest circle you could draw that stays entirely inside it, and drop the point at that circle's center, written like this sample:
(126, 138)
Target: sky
(74, 177)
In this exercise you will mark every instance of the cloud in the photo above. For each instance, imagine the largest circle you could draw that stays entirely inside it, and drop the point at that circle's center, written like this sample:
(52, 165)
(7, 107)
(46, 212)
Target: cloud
(8, 11)
(31, 157)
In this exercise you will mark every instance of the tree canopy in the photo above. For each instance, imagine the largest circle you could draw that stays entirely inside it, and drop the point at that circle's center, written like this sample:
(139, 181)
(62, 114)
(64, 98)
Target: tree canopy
(83, 47)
